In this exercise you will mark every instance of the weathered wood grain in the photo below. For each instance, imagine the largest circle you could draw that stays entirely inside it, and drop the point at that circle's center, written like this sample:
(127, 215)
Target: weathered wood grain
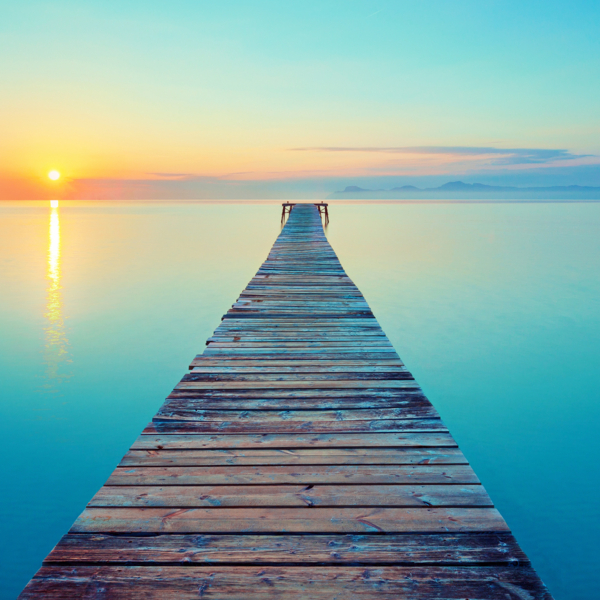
(375, 394)
(188, 403)
(315, 379)
(273, 474)
(252, 426)
(301, 354)
(198, 411)
(206, 365)
(343, 366)
(293, 440)
(413, 549)
(288, 520)
(304, 456)
(186, 496)
(268, 582)
(298, 384)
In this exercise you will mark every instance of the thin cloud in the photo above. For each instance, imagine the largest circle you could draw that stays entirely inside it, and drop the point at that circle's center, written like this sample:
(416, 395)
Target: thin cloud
(501, 156)
(172, 175)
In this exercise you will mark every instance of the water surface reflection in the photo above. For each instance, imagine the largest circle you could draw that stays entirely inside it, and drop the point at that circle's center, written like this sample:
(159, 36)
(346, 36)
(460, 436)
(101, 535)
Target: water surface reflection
(55, 337)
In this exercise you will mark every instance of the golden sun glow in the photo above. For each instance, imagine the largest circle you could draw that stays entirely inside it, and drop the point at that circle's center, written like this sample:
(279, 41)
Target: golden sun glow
(54, 175)
(56, 351)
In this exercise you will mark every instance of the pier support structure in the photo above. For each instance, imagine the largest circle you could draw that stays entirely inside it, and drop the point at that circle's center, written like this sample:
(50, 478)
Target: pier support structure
(286, 210)
(323, 212)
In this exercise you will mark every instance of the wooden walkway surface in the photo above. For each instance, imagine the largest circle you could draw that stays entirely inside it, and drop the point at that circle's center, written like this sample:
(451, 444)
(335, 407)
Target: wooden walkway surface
(298, 459)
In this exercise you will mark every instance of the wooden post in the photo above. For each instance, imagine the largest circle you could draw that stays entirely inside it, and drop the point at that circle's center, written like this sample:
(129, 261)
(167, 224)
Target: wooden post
(287, 209)
(322, 206)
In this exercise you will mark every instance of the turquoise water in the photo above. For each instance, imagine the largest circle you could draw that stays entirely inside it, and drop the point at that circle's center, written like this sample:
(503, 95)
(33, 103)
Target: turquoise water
(495, 309)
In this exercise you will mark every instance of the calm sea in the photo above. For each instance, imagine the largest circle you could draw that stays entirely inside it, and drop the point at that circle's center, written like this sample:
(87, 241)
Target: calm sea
(494, 307)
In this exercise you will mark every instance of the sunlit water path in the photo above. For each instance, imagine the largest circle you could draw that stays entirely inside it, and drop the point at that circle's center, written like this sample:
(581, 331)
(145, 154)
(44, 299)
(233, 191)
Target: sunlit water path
(495, 308)
(56, 353)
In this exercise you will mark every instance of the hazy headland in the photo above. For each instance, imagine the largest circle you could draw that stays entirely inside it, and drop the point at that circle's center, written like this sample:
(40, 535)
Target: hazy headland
(458, 190)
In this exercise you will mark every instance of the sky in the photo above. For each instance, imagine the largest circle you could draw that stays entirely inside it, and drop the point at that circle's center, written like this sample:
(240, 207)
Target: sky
(251, 99)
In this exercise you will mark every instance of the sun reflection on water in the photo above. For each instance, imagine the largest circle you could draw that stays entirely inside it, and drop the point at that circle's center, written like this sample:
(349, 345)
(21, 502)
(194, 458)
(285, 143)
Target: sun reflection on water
(56, 342)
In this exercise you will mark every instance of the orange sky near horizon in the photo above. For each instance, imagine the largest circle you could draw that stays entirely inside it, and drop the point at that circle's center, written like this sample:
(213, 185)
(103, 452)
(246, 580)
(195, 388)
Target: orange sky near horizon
(77, 174)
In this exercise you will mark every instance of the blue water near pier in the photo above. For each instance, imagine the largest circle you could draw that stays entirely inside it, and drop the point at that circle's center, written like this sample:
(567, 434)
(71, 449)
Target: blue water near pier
(494, 307)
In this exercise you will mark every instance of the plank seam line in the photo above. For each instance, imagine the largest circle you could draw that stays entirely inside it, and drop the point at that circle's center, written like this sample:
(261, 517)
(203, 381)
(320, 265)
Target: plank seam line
(515, 563)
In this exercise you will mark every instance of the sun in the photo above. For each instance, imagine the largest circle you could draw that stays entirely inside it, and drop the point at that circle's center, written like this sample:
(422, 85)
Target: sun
(54, 175)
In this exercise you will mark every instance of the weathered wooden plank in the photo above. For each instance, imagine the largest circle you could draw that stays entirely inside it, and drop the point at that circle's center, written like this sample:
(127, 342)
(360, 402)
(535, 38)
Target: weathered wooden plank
(413, 549)
(296, 314)
(306, 475)
(297, 383)
(321, 293)
(289, 520)
(350, 342)
(337, 334)
(225, 368)
(189, 402)
(186, 496)
(309, 354)
(284, 327)
(376, 395)
(306, 305)
(293, 440)
(302, 456)
(313, 300)
(242, 322)
(260, 299)
(257, 426)
(250, 327)
(324, 288)
(181, 411)
(272, 279)
(299, 270)
(315, 379)
(293, 331)
(304, 322)
(342, 365)
(270, 582)
(228, 337)
(308, 320)
(332, 351)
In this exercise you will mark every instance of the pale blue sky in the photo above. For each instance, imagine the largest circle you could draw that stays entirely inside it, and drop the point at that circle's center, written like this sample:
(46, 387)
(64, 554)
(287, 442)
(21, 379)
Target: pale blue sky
(119, 90)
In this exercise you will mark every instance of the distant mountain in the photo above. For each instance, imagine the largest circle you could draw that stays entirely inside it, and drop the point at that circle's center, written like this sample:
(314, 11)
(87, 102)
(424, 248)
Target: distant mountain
(461, 186)
(459, 190)
(355, 188)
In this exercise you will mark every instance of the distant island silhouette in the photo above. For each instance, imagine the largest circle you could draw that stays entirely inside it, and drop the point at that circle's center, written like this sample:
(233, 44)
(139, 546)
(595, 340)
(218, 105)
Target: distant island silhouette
(458, 190)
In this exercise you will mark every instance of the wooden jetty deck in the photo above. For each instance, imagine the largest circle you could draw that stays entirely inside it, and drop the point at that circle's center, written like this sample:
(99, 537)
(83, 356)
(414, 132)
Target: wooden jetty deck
(298, 459)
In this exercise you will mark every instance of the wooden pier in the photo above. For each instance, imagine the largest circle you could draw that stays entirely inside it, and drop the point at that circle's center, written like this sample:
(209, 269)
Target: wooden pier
(298, 459)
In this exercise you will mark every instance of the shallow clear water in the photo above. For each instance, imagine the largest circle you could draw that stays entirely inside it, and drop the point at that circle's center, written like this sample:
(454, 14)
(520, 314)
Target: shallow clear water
(495, 309)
